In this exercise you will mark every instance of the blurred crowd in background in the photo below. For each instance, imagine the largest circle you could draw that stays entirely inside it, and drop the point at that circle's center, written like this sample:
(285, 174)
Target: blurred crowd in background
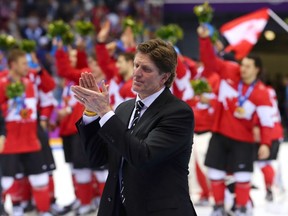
(29, 19)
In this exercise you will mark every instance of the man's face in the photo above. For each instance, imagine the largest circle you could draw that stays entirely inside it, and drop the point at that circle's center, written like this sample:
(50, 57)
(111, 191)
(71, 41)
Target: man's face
(20, 66)
(248, 69)
(73, 57)
(123, 65)
(93, 65)
(146, 76)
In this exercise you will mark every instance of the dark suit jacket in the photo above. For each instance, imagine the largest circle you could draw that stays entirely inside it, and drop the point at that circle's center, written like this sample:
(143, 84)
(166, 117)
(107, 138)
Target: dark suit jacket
(157, 154)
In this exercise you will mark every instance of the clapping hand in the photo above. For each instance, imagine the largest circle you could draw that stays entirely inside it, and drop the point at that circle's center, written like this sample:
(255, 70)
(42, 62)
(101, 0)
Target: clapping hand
(95, 98)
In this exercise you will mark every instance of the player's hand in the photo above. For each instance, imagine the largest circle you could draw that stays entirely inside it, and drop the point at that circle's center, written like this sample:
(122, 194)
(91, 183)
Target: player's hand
(103, 34)
(62, 113)
(263, 152)
(204, 99)
(44, 124)
(2, 142)
(203, 32)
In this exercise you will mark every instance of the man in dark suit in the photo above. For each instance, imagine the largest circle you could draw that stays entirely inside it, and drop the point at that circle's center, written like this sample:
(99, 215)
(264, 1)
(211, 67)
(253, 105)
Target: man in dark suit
(147, 160)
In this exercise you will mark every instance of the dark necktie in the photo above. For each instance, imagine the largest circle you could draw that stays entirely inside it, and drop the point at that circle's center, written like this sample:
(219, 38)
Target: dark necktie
(139, 106)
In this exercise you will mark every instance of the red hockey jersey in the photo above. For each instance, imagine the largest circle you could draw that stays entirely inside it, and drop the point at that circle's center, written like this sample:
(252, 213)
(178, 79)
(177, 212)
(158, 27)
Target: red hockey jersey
(20, 115)
(228, 121)
(205, 113)
(277, 129)
(67, 124)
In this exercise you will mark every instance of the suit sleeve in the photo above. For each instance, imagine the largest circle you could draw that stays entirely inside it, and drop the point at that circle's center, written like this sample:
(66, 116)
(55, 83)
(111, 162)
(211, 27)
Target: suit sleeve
(94, 146)
(170, 134)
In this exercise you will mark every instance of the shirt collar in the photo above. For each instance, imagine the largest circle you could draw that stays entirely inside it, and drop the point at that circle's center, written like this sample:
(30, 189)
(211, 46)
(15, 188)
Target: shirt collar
(150, 99)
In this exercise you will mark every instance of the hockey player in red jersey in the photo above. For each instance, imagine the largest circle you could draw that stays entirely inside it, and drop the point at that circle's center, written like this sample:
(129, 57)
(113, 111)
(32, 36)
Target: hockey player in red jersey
(69, 66)
(203, 105)
(241, 96)
(266, 165)
(21, 152)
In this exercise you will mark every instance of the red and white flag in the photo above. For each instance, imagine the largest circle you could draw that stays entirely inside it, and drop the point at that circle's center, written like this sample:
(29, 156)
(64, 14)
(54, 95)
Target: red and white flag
(242, 33)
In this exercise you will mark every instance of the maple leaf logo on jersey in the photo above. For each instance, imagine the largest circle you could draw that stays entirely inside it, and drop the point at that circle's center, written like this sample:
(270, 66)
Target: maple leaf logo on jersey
(26, 113)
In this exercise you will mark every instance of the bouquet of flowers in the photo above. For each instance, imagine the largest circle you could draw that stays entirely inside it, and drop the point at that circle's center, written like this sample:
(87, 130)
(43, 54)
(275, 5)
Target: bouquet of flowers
(28, 45)
(170, 32)
(15, 89)
(136, 27)
(84, 28)
(58, 28)
(215, 35)
(204, 12)
(7, 42)
(68, 38)
(200, 86)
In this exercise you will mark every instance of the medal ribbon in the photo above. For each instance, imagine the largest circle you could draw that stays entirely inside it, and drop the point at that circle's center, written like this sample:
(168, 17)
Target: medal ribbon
(19, 103)
(243, 98)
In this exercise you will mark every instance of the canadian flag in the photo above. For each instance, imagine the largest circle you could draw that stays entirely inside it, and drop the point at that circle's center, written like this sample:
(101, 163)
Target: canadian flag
(242, 33)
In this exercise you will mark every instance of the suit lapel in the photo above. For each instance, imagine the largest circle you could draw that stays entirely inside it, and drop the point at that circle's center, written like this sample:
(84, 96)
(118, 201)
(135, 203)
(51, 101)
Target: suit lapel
(126, 112)
(153, 109)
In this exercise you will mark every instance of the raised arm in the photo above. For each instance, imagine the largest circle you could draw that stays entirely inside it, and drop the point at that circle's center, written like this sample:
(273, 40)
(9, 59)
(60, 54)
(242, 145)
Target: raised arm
(226, 69)
(64, 68)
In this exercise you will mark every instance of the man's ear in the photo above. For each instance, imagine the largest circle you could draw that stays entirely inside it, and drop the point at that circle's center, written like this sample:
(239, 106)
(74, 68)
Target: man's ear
(165, 77)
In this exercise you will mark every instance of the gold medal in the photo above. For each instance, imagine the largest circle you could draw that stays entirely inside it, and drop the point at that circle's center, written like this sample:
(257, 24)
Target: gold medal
(240, 110)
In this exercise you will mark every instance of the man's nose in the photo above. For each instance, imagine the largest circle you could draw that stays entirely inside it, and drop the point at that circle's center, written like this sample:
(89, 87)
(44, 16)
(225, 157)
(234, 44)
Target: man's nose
(137, 72)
